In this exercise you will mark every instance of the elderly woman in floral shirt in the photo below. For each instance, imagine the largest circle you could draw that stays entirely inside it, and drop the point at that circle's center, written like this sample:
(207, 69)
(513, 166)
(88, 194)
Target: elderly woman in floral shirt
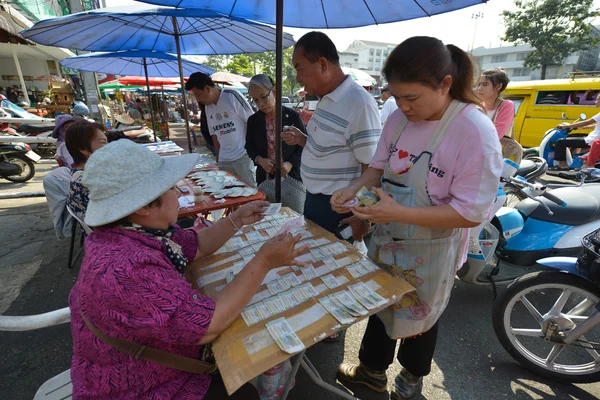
(131, 287)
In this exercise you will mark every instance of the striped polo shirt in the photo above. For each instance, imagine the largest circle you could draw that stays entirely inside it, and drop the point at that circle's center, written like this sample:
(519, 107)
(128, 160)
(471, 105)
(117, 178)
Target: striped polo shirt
(342, 134)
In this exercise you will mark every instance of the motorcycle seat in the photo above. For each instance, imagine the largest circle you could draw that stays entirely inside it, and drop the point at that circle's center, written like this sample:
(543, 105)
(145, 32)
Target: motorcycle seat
(36, 128)
(526, 167)
(583, 206)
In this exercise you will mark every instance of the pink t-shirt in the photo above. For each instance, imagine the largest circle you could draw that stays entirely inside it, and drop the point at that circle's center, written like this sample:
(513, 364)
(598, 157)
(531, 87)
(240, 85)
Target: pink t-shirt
(465, 170)
(505, 115)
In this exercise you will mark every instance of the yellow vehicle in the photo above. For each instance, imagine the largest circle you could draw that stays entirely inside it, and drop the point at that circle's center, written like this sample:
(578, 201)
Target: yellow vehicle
(541, 105)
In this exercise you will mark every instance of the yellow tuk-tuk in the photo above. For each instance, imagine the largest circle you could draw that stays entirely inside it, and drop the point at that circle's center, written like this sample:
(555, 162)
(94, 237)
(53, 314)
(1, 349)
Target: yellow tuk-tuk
(542, 105)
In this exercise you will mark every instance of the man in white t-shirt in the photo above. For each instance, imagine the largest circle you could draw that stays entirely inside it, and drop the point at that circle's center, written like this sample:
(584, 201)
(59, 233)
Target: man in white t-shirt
(560, 148)
(389, 104)
(227, 113)
(342, 134)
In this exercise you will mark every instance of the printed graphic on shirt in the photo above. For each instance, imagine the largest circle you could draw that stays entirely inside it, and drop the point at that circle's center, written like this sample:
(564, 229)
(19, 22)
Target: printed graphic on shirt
(407, 161)
(224, 129)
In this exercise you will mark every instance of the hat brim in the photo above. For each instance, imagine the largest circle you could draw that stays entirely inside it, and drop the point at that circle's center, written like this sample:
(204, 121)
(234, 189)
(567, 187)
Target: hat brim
(125, 119)
(104, 211)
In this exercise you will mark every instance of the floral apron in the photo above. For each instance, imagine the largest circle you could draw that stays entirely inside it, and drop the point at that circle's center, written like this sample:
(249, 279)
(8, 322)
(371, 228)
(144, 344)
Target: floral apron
(427, 258)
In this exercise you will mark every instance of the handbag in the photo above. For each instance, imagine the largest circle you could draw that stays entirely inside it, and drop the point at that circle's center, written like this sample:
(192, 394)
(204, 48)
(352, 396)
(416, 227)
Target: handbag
(293, 193)
(142, 352)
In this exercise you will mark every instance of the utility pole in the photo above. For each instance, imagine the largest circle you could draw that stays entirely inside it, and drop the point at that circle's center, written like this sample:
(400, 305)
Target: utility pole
(476, 17)
(90, 82)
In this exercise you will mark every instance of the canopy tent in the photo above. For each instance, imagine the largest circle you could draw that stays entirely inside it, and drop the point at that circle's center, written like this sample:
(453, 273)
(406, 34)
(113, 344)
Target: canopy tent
(360, 77)
(228, 77)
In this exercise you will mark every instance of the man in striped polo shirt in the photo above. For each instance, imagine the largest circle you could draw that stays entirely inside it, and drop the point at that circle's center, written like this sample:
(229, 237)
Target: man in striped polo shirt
(342, 133)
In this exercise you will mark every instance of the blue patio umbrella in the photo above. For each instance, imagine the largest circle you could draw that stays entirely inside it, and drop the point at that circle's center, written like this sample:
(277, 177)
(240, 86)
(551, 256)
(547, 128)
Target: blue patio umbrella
(317, 14)
(325, 13)
(145, 27)
(137, 63)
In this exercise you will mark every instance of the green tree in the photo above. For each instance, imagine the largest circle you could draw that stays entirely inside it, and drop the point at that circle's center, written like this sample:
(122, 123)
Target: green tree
(216, 62)
(554, 29)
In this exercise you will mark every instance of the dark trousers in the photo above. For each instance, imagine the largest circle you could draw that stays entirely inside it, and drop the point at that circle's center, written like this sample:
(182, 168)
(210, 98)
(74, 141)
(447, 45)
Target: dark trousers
(560, 147)
(217, 391)
(317, 208)
(415, 354)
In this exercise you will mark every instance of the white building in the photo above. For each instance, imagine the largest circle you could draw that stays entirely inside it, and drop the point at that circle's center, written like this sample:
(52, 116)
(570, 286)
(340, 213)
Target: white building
(511, 58)
(367, 56)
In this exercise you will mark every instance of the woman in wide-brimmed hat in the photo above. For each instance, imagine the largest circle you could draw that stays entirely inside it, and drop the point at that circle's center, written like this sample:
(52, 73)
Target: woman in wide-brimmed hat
(131, 285)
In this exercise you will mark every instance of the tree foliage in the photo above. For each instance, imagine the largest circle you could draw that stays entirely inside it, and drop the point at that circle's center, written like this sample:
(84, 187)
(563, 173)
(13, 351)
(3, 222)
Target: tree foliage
(554, 29)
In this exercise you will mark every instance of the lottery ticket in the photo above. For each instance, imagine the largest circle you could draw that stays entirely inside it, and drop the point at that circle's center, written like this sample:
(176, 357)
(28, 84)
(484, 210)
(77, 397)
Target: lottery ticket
(337, 248)
(292, 279)
(302, 231)
(318, 254)
(285, 337)
(246, 251)
(367, 297)
(342, 316)
(262, 311)
(330, 281)
(345, 300)
(249, 257)
(256, 247)
(238, 266)
(230, 276)
(299, 295)
(369, 266)
(331, 263)
(287, 300)
(308, 290)
(276, 286)
(273, 209)
(356, 270)
(288, 297)
(309, 242)
(255, 237)
(274, 305)
(309, 273)
(292, 224)
(251, 315)
(272, 231)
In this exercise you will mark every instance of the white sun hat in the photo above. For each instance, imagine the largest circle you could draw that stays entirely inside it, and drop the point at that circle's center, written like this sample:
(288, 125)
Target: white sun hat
(123, 177)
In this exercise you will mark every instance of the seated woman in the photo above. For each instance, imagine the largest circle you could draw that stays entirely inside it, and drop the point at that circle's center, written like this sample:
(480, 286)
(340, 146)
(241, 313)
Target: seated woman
(560, 147)
(82, 139)
(62, 122)
(261, 131)
(131, 285)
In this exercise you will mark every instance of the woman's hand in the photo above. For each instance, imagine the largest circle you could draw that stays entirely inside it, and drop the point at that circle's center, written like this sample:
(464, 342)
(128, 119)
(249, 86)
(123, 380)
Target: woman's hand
(286, 168)
(359, 227)
(266, 164)
(293, 136)
(564, 126)
(341, 196)
(250, 213)
(281, 251)
(385, 211)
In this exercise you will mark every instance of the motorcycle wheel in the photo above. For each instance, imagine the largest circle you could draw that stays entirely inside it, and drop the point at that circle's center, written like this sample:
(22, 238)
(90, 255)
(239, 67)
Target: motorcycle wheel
(513, 197)
(27, 167)
(521, 317)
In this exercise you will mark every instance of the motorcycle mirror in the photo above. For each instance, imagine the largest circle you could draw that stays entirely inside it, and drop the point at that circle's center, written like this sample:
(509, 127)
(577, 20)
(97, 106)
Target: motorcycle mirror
(564, 116)
(582, 116)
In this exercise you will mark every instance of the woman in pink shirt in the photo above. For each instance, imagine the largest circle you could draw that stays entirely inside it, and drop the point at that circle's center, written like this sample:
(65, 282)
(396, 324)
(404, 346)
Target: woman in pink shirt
(438, 164)
(491, 83)
(131, 285)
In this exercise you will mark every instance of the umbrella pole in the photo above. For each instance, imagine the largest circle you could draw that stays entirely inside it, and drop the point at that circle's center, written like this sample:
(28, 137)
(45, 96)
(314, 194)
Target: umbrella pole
(182, 82)
(278, 92)
(149, 98)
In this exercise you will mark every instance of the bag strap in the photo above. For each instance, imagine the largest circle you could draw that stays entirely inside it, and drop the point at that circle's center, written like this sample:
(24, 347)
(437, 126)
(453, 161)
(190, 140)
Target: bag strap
(141, 352)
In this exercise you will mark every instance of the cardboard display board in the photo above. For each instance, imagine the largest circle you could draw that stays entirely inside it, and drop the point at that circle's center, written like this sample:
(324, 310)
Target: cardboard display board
(242, 352)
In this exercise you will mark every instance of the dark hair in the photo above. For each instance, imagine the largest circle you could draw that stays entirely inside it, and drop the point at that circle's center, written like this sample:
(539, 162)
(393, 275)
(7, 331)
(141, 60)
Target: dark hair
(199, 80)
(496, 76)
(79, 137)
(138, 100)
(426, 60)
(316, 45)
(157, 202)
(384, 89)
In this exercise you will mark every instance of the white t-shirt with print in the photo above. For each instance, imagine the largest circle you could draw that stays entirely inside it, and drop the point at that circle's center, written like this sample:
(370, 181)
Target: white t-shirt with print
(595, 134)
(227, 121)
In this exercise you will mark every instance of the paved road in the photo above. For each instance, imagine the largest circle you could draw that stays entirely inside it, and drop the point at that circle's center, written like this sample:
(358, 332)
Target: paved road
(469, 362)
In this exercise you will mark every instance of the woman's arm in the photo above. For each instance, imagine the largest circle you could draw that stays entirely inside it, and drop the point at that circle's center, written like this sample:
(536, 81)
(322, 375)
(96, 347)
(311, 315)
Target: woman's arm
(217, 147)
(504, 118)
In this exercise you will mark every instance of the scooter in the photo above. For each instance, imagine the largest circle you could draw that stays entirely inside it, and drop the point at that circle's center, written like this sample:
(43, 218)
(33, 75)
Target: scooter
(543, 225)
(549, 321)
(16, 162)
(546, 151)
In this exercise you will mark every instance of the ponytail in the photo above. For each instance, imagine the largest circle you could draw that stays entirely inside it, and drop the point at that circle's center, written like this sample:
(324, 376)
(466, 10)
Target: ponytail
(426, 60)
(462, 76)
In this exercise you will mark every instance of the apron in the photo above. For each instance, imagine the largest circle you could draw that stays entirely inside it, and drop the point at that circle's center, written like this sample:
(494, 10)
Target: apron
(427, 258)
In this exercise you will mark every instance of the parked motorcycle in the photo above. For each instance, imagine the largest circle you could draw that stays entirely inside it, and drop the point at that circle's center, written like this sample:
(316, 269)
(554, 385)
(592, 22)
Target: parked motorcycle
(543, 225)
(16, 162)
(549, 321)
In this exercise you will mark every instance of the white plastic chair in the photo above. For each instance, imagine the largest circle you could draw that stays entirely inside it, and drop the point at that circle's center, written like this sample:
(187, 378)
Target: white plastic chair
(58, 387)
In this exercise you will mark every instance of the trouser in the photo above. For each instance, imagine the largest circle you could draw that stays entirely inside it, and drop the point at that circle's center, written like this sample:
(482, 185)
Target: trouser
(560, 147)
(594, 154)
(317, 208)
(217, 391)
(242, 168)
(415, 353)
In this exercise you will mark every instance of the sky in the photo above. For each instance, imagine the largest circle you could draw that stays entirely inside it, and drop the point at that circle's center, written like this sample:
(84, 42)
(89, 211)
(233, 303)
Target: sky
(457, 27)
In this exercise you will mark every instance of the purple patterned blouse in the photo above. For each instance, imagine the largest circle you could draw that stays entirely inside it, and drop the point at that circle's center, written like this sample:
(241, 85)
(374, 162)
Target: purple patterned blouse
(128, 288)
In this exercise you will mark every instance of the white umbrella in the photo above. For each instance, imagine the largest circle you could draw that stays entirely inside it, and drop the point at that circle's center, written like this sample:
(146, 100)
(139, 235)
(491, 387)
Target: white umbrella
(228, 77)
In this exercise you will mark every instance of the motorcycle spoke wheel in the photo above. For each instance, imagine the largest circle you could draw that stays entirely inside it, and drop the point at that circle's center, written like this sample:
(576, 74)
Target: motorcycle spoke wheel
(27, 170)
(521, 316)
(513, 197)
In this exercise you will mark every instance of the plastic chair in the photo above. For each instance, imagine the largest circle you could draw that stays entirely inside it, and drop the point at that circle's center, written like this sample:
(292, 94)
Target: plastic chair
(86, 231)
(58, 387)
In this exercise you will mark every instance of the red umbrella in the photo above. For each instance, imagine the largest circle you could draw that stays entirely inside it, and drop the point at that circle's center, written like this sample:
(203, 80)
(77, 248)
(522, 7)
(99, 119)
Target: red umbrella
(141, 80)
